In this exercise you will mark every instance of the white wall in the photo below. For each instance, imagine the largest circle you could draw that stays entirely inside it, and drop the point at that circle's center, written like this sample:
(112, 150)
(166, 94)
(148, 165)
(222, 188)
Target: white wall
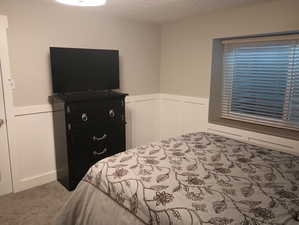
(5, 173)
(149, 118)
(6, 182)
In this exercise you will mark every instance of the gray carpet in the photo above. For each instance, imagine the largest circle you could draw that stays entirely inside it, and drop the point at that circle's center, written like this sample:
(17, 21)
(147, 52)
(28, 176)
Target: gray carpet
(36, 206)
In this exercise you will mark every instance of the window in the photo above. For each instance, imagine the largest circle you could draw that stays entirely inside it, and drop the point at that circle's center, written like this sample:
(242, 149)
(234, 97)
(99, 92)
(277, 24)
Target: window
(261, 81)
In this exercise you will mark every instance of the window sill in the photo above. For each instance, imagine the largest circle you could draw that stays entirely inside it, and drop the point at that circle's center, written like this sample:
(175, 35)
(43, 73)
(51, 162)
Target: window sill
(263, 129)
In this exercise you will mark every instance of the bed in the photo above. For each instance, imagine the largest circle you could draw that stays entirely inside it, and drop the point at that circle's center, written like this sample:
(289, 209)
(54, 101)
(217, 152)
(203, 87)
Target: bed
(197, 178)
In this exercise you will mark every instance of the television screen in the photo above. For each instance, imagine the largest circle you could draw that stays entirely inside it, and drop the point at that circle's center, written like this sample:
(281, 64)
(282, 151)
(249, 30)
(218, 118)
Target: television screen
(75, 70)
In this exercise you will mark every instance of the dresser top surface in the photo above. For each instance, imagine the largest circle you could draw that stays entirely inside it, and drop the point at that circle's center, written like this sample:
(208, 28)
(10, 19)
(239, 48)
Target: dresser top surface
(86, 96)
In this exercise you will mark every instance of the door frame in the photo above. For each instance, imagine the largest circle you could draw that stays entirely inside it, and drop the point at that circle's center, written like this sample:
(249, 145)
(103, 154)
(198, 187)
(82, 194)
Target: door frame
(7, 84)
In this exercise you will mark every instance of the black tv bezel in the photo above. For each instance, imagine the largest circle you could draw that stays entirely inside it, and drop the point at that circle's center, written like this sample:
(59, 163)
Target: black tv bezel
(117, 82)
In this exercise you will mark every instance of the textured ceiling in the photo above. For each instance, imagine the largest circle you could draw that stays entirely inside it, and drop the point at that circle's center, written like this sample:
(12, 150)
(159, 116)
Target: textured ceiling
(161, 11)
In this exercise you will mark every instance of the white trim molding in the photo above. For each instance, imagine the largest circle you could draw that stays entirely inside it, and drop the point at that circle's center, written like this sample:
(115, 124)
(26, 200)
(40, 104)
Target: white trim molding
(8, 95)
(30, 182)
(46, 108)
(185, 99)
(141, 98)
(34, 109)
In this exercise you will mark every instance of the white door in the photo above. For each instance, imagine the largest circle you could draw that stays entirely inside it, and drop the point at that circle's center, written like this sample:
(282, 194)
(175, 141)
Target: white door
(5, 172)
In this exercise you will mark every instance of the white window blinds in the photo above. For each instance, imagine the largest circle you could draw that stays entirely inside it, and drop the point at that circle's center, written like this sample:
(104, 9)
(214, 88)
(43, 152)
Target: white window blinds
(261, 82)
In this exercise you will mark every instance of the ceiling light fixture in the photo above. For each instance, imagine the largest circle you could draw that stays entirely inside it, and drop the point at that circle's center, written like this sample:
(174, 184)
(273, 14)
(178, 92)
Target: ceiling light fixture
(83, 2)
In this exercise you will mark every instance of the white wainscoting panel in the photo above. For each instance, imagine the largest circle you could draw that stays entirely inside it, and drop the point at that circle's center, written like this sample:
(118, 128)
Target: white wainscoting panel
(34, 137)
(181, 114)
(149, 118)
(142, 116)
(146, 123)
(34, 143)
(130, 110)
(170, 124)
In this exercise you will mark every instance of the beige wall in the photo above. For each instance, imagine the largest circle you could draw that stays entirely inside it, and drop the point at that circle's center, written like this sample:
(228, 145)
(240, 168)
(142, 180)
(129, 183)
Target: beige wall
(185, 48)
(34, 25)
(187, 45)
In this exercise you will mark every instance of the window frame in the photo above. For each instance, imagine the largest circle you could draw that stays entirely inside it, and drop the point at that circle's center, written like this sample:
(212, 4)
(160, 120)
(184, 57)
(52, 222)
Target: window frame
(216, 90)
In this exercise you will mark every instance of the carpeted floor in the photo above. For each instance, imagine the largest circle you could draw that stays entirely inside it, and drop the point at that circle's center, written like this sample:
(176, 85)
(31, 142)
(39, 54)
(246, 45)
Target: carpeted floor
(36, 206)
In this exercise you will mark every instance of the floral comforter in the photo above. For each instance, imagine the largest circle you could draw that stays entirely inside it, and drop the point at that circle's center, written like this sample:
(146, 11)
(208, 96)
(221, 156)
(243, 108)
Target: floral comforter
(202, 178)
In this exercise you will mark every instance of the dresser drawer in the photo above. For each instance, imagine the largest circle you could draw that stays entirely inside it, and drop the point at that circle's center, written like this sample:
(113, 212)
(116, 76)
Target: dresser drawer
(107, 142)
(96, 143)
(85, 114)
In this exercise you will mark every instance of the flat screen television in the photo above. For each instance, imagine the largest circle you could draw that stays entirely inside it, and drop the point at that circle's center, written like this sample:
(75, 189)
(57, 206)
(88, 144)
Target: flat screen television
(77, 70)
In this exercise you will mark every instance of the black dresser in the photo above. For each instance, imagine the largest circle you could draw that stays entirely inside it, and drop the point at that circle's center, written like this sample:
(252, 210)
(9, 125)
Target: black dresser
(88, 127)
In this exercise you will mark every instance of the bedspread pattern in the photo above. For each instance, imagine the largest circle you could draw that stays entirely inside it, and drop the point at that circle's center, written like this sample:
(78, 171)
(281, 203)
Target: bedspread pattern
(202, 178)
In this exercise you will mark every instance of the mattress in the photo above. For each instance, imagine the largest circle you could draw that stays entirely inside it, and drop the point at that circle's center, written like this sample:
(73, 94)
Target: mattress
(197, 178)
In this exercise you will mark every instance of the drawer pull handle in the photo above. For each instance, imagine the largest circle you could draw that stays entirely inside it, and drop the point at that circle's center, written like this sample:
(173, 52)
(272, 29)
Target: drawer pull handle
(84, 117)
(111, 113)
(96, 153)
(94, 138)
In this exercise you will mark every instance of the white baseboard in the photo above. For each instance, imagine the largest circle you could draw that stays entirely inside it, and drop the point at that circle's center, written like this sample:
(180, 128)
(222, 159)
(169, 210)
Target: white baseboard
(149, 118)
(30, 182)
